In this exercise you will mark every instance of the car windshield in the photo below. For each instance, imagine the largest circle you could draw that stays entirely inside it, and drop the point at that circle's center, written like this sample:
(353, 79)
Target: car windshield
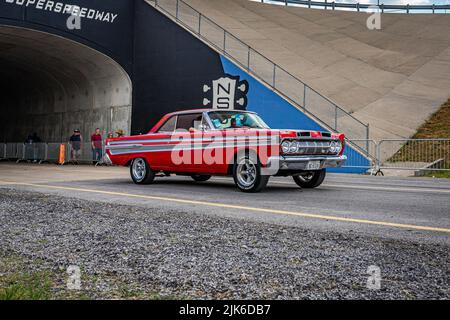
(235, 120)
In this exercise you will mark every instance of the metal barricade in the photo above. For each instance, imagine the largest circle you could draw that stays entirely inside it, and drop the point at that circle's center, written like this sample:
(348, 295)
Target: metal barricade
(3, 151)
(414, 154)
(20, 151)
(32, 152)
(84, 155)
(419, 155)
(361, 154)
(52, 153)
(11, 151)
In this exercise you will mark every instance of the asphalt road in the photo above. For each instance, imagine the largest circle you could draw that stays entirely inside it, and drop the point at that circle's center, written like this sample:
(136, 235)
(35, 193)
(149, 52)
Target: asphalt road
(416, 209)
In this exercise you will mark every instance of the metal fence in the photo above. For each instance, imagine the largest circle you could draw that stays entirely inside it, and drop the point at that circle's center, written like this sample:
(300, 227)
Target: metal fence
(414, 154)
(275, 77)
(3, 151)
(362, 155)
(407, 8)
(421, 155)
(49, 153)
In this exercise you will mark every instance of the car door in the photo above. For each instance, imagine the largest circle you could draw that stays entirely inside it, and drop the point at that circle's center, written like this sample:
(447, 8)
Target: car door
(185, 140)
(159, 145)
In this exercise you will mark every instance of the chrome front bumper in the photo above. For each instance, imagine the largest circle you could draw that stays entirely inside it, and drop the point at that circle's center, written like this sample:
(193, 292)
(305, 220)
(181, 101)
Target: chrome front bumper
(300, 163)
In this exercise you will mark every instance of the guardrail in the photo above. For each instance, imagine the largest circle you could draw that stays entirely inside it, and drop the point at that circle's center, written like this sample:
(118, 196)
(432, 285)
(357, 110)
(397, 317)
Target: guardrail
(420, 155)
(414, 154)
(3, 151)
(432, 8)
(362, 155)
(294, 90)
(48, 153)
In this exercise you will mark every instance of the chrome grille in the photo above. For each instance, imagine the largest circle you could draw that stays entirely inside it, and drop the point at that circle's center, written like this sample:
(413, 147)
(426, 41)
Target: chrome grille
(313, 147)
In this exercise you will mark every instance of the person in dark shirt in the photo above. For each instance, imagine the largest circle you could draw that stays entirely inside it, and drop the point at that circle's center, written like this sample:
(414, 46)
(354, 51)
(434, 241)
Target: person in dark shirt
(31, 150)
(75, 145)
(36, 138)
(97, 146)
(33, 138)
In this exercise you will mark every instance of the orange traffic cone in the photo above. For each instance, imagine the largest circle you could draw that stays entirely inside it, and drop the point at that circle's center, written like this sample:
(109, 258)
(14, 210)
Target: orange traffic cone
(62, 154)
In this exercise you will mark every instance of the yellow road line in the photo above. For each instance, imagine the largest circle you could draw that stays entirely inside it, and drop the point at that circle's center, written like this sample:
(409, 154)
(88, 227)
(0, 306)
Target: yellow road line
(419, 190)
(245, 208)
(403, 189)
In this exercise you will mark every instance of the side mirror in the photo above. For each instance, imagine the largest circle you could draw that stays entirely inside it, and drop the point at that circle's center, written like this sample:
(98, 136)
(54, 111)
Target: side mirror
(203, 127)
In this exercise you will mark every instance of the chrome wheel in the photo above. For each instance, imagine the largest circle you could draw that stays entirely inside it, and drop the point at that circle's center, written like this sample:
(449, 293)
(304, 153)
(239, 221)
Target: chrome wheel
(311, 179)
(139, 169)
(246, 172)
(306, 177)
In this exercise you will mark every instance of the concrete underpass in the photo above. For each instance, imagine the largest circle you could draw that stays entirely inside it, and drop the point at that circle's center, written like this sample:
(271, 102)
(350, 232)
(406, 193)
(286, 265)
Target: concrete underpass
(51, 86)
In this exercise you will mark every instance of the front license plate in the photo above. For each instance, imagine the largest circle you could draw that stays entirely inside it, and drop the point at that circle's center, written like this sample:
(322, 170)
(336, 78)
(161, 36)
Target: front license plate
(313, 165)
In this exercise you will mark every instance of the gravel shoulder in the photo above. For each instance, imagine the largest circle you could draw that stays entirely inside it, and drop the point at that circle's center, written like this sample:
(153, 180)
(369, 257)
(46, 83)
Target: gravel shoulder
(174, 254)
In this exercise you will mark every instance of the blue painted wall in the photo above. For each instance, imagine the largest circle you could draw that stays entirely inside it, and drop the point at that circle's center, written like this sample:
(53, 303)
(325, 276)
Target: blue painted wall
(280, 114)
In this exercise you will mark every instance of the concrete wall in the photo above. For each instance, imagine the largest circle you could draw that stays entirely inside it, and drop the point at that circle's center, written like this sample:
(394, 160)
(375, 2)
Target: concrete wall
(170, 67)
(393, 78)
(51, 86)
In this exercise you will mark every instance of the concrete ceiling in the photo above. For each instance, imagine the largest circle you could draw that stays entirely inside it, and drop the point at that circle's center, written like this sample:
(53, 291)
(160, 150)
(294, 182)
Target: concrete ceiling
(43, 74)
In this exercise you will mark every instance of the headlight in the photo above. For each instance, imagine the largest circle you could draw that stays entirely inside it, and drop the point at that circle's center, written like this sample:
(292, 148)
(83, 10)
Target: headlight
(333, 147)
(285, 146)
(338, 146)
(294, 147)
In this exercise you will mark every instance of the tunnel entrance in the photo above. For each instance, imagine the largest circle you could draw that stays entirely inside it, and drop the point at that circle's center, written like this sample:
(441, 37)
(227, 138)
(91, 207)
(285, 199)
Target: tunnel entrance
(51, 85)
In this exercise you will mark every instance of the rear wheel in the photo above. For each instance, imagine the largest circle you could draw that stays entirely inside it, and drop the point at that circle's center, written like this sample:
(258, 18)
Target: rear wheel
(247, 174)
(140, 171)
(311, 179)
(200, 177)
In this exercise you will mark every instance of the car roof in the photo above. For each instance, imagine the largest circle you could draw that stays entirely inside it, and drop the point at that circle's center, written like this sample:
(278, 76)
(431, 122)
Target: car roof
(203, 110)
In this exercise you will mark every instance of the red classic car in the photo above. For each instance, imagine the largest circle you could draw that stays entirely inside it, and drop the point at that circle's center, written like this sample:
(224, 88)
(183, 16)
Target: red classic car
(206, 142)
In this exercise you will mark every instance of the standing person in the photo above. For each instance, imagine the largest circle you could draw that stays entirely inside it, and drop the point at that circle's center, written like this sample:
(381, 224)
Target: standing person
(31, 149)
(29, 156)
(75, 145)
(29, 139)
(96, 142)
(38, 140)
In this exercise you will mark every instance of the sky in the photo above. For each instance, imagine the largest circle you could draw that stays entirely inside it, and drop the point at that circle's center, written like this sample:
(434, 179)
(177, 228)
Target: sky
(399, 2)
(412, 2)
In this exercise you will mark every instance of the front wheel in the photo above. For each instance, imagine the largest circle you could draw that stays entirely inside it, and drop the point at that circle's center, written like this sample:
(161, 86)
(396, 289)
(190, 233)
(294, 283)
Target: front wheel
(247, 174)
(200, 177)
(311, 179)
(140, 171)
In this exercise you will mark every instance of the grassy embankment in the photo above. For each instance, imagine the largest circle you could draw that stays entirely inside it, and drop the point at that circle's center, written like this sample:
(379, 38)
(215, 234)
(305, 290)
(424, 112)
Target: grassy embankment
(437, 126)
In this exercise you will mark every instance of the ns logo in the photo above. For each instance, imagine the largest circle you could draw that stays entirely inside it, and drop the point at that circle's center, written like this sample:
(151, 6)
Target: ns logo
(226, 93)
